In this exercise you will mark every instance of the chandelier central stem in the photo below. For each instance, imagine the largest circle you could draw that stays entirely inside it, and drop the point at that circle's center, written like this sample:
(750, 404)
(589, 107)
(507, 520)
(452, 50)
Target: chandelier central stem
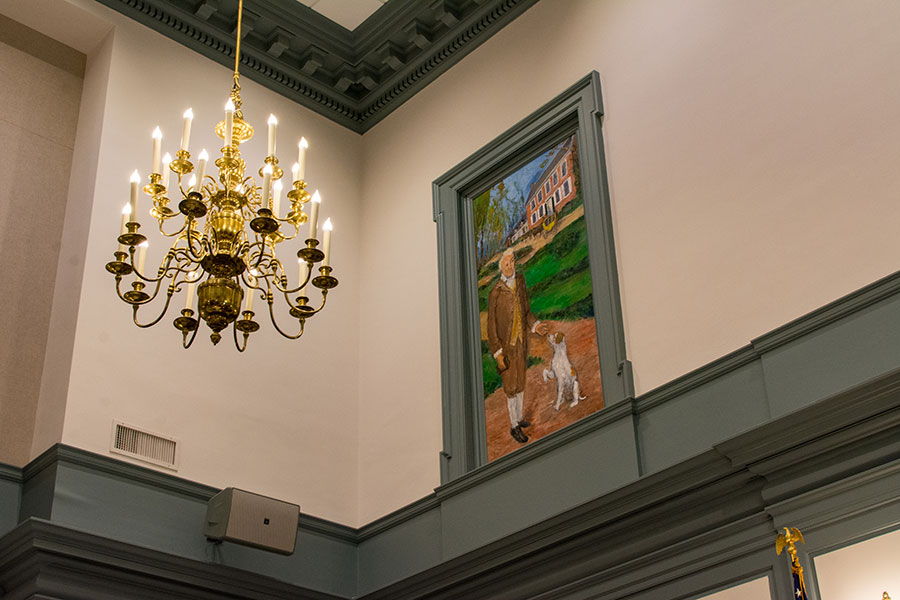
(237, 50)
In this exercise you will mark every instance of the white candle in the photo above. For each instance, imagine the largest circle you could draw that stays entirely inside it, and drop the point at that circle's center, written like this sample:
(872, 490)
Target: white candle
(192, 281)
(229, 122)
(301, 158)
(192, 184)
(252, 281)
(314, 215)
(276, 198)
(302, 270)
(186, 132)
(201, 168)
(126, 211)
(133, 202)
(167, 158)
(267, 182)
(142, 257)
(295, 172)
(326, 241)
(272, 123)
(157, 149)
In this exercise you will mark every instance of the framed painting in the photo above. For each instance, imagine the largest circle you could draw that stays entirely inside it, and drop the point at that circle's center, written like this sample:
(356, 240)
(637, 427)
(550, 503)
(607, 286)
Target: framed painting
(532, 341)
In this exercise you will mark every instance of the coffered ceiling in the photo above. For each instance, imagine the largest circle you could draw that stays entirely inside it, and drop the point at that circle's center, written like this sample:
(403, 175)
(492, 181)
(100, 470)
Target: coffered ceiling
(304, 49)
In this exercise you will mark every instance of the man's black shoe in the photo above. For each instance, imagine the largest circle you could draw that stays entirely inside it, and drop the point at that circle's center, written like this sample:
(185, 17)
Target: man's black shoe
(523, 423)
(518, 435)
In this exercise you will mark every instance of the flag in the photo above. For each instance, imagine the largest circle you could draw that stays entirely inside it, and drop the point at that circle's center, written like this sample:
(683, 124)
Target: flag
(797, 578)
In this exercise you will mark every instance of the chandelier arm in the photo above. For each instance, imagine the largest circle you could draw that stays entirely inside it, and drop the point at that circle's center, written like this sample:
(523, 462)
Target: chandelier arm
(301, 286)
(262, 252)
(134, 303)
(275, 323)
(163, 268)
(190, 242)
(250, 286)
(187, 344)
(161, 315)
(324, 298)
(162, 220)
(236, 344)
(296, 229)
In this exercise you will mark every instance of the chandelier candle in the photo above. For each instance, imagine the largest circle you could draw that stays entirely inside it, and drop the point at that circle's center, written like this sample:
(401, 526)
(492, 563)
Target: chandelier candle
(229, 122)
(192, 281)
(133, 202)
(326, 242)
(314, 214)
(272, 123)
(201, 168)
(186, 132)
(126, 213)
(301, 158)
(276, 198)
(225, 235)
(157, 148)
(167, 158)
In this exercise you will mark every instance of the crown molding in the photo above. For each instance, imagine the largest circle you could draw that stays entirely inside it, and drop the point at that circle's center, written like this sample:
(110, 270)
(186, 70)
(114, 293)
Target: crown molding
(355, 78)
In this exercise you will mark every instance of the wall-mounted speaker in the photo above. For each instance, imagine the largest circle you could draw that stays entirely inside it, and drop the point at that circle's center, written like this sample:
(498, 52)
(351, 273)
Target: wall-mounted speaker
(234, 515)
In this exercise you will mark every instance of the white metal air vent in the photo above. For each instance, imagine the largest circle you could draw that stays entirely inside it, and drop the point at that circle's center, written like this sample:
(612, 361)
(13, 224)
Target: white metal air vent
(143, 445)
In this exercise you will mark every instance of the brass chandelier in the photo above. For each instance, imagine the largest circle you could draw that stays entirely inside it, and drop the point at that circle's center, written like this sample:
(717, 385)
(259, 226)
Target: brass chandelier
(219, 255)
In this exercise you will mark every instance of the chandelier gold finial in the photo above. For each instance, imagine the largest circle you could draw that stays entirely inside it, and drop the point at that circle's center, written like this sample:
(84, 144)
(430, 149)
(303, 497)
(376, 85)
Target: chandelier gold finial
(227, 231)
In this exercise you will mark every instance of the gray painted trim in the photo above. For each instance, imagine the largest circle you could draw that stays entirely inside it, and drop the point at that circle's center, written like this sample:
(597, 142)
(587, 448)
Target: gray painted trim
(10, 473)
(804, 325)
(61, 453)
(834, 311)
(42, 559)
(696, 378)
(547, 444)
(355, 78)
(691, 527)
(395, 518)
(576, 110)
(871, 405)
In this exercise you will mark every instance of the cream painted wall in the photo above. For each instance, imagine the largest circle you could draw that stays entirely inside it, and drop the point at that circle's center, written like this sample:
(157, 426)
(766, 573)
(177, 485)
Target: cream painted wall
(281, 418)
(860, 571)
(752, 150)
(758, 589)
(40, 103)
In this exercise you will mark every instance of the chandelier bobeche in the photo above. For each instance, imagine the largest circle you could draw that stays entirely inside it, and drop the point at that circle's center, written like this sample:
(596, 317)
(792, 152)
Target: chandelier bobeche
(220, 256)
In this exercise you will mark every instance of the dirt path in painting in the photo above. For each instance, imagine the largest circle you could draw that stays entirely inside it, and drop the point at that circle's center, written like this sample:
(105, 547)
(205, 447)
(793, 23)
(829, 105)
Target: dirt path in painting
(581, 346)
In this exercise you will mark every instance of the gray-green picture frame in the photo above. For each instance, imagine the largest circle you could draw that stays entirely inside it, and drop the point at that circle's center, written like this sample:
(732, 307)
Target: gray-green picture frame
(579, 110)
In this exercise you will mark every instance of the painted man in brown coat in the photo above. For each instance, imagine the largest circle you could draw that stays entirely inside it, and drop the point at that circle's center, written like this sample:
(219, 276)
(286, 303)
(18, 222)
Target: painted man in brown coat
(509, 322)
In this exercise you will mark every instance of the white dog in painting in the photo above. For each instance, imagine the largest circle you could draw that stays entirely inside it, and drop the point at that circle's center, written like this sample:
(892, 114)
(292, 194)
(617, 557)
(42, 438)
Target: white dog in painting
(562, 371)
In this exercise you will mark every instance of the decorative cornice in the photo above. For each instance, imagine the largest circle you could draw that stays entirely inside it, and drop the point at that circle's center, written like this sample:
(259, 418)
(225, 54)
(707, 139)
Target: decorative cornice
(355, 78)
(10, 473)
(44, 559)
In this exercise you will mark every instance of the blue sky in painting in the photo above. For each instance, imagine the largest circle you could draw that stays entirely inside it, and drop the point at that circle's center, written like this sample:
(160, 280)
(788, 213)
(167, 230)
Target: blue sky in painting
(519, 182)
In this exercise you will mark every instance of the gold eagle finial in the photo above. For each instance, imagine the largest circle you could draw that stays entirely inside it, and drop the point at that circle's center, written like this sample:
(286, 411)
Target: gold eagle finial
(787, 540)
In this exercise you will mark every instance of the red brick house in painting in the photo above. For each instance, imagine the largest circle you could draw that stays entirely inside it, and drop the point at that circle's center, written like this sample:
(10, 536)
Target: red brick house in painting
(554, 189)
